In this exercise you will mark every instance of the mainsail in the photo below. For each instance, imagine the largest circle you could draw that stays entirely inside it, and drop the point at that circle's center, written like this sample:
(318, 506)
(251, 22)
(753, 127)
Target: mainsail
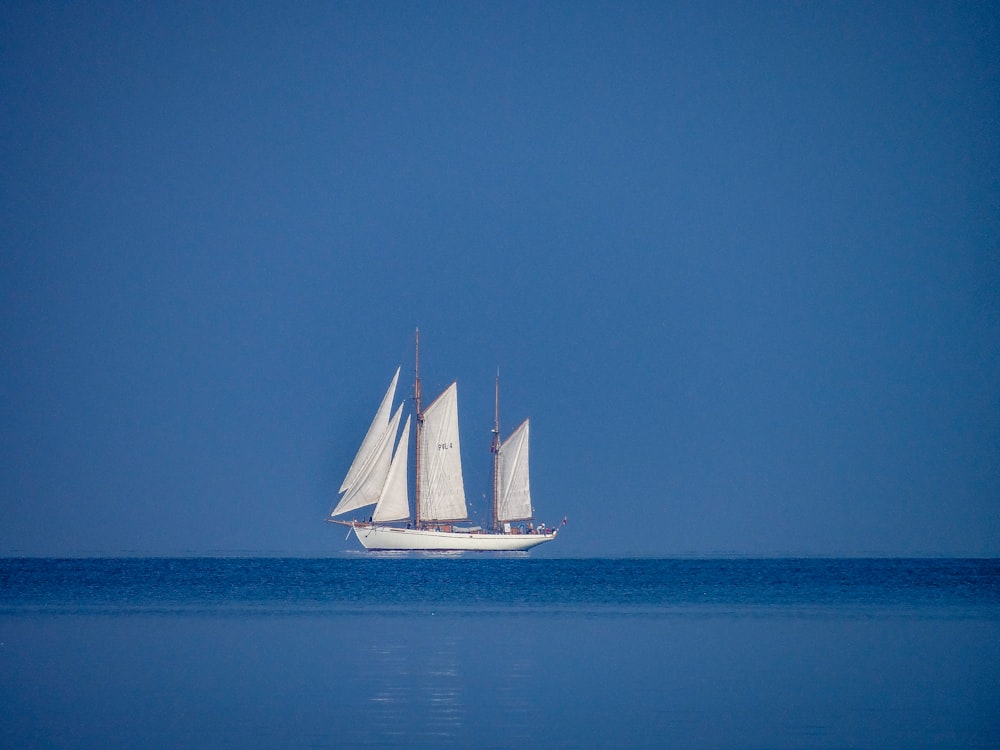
(394, 504)
(513, 486)
(442, 492)
(367, 488)
(369, 446)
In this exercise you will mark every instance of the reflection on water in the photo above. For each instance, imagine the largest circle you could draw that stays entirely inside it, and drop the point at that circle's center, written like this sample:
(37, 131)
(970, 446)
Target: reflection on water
(416, 692)
(441, 685)
(509, 681)
(447, 681)
(904, 671)
(391, 694)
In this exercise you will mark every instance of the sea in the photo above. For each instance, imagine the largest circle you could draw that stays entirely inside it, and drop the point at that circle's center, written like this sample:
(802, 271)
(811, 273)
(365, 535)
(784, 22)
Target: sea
(475, 651)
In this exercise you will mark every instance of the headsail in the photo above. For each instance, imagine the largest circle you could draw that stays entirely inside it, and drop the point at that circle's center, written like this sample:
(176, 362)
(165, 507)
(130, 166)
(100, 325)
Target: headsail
(514, 489)
(369, 445)
(394, 504)
(368, 486)
(442, 492)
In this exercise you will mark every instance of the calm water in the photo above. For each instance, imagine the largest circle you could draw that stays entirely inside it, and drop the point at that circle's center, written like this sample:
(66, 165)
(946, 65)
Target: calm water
(499, 652)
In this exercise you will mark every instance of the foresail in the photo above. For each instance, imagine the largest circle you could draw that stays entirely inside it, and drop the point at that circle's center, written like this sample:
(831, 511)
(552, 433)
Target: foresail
(514, 491)
(368, 485)
(394, 504)
(369, 446)
(442, 492)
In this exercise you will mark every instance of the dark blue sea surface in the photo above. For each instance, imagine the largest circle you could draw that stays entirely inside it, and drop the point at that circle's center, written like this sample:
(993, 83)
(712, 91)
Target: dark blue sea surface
(495, 652)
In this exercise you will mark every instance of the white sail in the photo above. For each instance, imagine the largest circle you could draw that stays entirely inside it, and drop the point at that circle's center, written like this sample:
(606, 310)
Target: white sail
(367, 488)
(514, 488)
(442, 493)
(373, 437)
(394, 504)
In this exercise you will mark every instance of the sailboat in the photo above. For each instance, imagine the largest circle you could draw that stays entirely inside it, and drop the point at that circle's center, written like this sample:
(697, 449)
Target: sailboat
(379, 476)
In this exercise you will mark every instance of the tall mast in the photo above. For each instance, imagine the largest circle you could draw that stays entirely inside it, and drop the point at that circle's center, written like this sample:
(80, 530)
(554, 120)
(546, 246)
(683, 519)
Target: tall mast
(495, 449)
(419, 422)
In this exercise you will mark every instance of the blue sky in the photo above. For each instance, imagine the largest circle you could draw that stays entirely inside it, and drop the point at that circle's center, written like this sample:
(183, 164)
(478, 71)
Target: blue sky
(738, 262)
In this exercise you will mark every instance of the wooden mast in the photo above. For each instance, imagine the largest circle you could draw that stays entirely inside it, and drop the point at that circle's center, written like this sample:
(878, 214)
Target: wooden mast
(420, 420)
(496, 451)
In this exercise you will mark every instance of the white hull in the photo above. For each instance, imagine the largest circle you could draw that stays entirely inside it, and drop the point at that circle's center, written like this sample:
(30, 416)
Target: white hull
(390, 537)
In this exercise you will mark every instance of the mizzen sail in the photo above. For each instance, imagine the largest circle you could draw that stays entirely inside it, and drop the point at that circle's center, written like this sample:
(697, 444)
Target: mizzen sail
(513, 485)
